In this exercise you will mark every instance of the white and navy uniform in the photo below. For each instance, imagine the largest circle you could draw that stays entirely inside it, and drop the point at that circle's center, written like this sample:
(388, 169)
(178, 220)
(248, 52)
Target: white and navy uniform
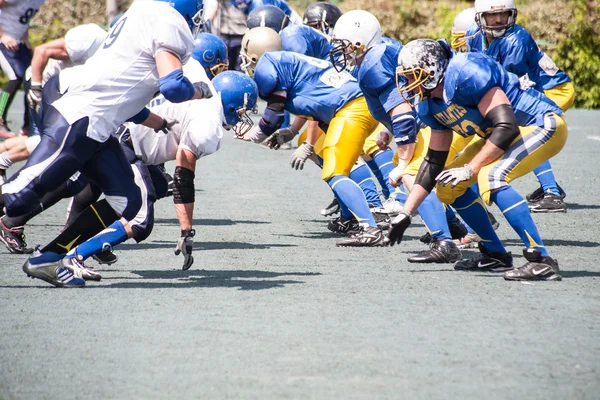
(14, 22)
(114, 85)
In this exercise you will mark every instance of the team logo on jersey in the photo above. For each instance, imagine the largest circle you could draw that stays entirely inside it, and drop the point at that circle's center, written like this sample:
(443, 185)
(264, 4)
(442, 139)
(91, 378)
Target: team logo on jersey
(548, 65)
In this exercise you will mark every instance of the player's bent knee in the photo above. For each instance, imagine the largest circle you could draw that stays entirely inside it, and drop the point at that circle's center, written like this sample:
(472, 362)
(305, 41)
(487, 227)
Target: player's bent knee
(445, 194)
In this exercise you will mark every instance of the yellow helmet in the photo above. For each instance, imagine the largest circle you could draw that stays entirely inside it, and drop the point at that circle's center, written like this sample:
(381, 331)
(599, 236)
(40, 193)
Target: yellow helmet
(256, 42)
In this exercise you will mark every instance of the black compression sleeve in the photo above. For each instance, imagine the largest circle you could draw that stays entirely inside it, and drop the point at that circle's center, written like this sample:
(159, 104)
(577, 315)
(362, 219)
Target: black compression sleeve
(506, 126)
(430, 168)
(183, 191)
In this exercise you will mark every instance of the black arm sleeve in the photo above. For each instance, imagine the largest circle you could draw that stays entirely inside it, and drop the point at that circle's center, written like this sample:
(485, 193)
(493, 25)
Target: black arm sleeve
(506, 126)
(431, 167)
(183, 192)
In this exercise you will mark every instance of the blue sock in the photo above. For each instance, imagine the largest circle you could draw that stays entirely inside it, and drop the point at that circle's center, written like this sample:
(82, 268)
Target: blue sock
(515, 210)
(362, 176)
(546, 177)
(432, 213)
(286, 119)
(400, 194)
(320, 162)
(472, 210)
(385, 164)
(348, 192)
(450, 215)
(344, 211)
(112, 235)
(384, 188)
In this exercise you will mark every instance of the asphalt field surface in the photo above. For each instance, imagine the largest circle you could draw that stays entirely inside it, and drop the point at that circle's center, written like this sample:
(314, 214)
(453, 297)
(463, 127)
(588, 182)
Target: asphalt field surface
(272, 309)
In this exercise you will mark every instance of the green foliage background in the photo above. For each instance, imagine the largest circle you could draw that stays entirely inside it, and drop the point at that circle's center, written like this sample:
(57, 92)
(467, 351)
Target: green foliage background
(569, 31)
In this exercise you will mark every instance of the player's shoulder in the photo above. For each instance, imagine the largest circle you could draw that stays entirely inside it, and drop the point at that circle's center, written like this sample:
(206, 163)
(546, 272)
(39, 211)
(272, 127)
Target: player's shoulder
(469, 73)
(379, 64)
(84, 30)
(518, 36)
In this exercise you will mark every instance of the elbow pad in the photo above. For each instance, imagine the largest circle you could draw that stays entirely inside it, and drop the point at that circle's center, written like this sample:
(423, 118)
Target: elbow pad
(404, 127)
(431, 167)
(183, 190)
(274, 116)
(140, 117)
(176, 88)
(506, 126)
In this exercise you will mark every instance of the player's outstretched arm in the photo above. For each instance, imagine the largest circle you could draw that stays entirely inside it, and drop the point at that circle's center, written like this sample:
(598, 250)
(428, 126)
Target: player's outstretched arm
(184, 197)
(56, 49)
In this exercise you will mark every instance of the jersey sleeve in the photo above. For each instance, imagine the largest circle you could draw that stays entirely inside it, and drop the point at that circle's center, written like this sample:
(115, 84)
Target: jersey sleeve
(474, 81)
(173, 35)
(521, 54)
(295, 43)
(378, 81)
(425, 118)
(265, 76)
(83, 40)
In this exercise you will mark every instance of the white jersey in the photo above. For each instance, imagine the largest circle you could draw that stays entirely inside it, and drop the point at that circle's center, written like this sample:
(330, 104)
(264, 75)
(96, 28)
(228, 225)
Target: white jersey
(121, 77)
(81, 43)
(200, 127)
(16, 14)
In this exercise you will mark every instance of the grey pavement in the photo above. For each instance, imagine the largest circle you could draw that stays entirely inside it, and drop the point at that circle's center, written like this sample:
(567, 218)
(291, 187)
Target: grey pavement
(271, 309)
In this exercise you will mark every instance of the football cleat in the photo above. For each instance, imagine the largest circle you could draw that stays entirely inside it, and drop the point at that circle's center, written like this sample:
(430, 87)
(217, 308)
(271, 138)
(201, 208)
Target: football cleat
(14, 239)
(548, 204)
(537, 268)
(46, 266)
(107, 257)
(390, 207)
(382, 220)
(76, 266)
(538, 194)
(457, 231)
(440, 251)
(332, 209)
(343, 225)
(366, 236)
(491, 261)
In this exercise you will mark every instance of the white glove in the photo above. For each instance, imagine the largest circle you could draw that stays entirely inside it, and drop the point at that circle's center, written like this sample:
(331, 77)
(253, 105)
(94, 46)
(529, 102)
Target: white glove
(166, 125)
(185, 245)
(34, 96)
(202, 90)
(455, 176)
(254, 135)
(281, 136)
(301, 155)
(395, 176)
(384, 140)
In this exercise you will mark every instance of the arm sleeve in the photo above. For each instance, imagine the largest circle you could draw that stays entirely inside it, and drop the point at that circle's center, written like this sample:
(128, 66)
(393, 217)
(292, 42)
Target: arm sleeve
(140, 117)
(175, 87)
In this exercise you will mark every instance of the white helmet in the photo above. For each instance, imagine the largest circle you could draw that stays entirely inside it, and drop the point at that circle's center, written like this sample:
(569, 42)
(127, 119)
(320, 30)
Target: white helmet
(421, 66)
(462, 21)
(492, 7)
(354, 33)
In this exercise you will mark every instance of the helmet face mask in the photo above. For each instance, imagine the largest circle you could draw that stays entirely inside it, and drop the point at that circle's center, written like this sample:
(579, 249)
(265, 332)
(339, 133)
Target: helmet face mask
(244, 123)
(490, 11)
(459, 30)
(344, 54)
(239, 95)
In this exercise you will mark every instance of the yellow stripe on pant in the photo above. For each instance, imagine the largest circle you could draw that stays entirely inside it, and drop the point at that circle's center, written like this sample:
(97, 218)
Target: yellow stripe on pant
(533, 146)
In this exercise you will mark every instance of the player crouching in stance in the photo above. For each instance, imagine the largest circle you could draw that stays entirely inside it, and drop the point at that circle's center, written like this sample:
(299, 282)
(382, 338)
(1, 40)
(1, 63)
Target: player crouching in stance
(310, 87)
(473, 95)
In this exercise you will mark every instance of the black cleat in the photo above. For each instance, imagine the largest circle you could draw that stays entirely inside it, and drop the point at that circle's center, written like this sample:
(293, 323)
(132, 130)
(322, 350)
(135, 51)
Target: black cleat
(382, 220)
(548, 204)
(368, 236)
(14, 239)
(332, 209)
(440, 252)
(343, 225)
(538, 268)
(457, 230)
(538, 194)
(491, 261)
(107, 257)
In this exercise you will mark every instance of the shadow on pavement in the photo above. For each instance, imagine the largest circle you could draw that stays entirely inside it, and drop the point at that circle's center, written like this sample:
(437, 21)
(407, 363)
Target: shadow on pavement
(202, 246)
(209, 222)
(575, 206)
(555, 242)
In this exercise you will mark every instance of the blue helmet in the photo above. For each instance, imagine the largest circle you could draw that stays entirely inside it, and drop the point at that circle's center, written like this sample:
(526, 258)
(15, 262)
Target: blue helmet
(239, 95)
(211, 52)
(269, 16)
(191, 10)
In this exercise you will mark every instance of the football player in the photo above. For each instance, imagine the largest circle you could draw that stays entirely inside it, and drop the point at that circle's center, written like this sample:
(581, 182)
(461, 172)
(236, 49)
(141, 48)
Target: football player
(357, 44)
(142, 54)
(497, 35)
(15, 53)
(516, 130)
(311, 88)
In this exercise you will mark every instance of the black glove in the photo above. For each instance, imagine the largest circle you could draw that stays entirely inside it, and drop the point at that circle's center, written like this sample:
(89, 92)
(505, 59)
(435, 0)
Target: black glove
(399, 226)
(34, 97)
(281, 136)
(204, 90)
(185, 245)
(166, 125)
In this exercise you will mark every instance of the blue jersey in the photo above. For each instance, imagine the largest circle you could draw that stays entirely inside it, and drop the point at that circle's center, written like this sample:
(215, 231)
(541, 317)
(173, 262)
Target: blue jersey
(314, 89)
(377, 78)
(519, 53)
(281, 4)
(468, 77)
(305, 40)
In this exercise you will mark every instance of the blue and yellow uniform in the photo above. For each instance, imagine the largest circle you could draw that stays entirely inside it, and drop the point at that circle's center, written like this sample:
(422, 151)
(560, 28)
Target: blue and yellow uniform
(314, 90)
(468, 77)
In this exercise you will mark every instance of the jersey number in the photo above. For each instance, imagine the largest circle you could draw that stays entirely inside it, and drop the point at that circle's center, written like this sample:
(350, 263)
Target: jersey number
(24, 19)
(114, 33)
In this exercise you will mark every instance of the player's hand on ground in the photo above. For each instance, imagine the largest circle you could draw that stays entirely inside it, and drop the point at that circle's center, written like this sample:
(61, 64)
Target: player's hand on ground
(398, 227)
(454, 176)
(202, 91)
(301, 154)
(34, 97)
(167, 124)
(185, 246)
(281, 136)
(384, 140)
